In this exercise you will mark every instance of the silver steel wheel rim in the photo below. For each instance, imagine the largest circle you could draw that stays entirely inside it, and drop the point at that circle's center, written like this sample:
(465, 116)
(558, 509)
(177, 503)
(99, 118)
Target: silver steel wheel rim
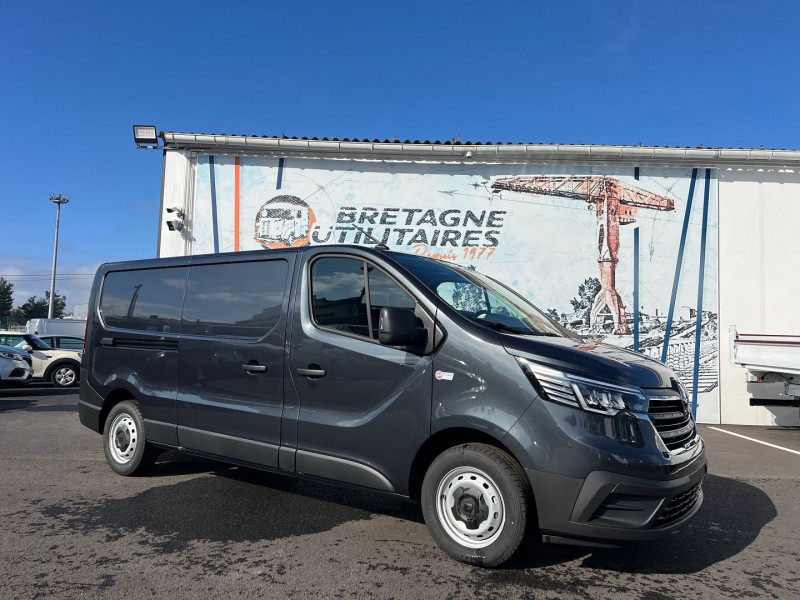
(65, 376)
(123, 438)
(463, 493)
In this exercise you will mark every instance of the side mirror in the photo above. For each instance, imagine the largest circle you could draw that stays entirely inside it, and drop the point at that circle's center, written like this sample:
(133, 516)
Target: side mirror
(399, 327)
(27, 347)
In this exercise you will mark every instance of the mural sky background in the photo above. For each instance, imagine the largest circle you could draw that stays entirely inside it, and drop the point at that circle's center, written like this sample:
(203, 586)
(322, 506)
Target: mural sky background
(545, 246)
(548, 245)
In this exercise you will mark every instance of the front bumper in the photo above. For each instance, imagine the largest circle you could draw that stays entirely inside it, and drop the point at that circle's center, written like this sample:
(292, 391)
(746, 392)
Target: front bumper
(608, 507)
(18, 375)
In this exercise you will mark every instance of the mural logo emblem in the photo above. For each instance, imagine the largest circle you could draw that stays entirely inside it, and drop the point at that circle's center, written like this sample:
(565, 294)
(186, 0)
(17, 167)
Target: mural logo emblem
(284, 222)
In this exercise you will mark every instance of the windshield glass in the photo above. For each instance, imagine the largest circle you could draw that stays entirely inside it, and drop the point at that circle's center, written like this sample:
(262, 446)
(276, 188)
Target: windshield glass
(480, 298)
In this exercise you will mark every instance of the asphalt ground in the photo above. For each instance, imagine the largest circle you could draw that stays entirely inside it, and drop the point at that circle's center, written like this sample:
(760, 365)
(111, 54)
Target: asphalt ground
(198, 529)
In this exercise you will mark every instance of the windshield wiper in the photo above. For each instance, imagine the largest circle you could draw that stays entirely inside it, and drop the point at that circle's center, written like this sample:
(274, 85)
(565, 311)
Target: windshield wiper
(498, 326)
(546, 333)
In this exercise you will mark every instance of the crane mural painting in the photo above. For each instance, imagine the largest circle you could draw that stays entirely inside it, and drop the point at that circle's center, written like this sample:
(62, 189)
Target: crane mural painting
(615, 204)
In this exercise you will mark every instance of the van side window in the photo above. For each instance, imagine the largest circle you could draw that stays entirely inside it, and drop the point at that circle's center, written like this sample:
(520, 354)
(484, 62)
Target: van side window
(341, 300)
(241, 299)
(146, 300)
(339, 295)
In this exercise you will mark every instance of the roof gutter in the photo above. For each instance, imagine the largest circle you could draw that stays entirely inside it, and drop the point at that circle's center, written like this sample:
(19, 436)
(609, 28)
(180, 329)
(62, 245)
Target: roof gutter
(489, 153)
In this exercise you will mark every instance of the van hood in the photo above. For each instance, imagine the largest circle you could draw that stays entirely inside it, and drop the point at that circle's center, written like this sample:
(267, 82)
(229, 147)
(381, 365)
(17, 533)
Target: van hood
(592, 359)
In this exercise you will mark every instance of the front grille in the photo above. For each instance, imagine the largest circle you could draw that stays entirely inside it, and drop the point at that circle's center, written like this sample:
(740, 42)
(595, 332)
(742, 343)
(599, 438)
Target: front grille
(671, 419)
(679, 506)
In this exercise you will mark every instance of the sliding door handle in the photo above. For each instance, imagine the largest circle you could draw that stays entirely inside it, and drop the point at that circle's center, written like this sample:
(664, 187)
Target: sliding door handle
(252, 368)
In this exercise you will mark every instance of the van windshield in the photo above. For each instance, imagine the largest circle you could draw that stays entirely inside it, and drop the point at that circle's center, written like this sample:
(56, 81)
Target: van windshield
(481, 298)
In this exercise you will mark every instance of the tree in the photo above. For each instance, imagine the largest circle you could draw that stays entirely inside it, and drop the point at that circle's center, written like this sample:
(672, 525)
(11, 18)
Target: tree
(587, 291)
(6, 298)
(37, 308)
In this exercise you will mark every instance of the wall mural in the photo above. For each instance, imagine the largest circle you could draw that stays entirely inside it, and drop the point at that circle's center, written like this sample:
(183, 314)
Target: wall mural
(562, 235)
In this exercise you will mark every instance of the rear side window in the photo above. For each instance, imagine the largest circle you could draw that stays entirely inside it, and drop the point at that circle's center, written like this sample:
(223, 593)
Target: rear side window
(344, 299)
(145, 300)
(241, 299)
(66, 343)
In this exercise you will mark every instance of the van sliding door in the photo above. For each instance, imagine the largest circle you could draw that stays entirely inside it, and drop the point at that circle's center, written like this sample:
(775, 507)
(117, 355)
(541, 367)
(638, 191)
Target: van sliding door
(230, 359)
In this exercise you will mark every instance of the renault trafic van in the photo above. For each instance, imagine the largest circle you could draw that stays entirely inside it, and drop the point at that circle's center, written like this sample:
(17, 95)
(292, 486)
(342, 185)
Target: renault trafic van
(396, 373)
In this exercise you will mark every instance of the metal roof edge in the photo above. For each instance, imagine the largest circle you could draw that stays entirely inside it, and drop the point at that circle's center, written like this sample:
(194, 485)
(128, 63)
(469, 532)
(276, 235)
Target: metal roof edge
(483, 153)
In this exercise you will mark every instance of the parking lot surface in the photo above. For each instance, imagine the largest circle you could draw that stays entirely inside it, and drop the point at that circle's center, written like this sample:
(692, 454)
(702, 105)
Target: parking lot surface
(193, 528)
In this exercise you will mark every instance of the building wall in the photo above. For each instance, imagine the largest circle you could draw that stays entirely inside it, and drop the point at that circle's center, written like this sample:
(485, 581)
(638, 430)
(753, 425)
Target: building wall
(177, 190)
(759, 278)
(545, 230)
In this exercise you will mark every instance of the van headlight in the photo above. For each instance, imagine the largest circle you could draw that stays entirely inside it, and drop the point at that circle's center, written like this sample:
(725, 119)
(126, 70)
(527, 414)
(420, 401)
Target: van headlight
(580, 392)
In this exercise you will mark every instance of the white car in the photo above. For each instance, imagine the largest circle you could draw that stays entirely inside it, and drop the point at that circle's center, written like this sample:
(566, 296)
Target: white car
(15, 366)
(61, 367)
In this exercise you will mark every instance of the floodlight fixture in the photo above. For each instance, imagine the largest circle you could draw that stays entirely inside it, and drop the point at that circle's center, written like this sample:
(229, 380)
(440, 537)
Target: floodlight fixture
(145, 136)
(175, 225)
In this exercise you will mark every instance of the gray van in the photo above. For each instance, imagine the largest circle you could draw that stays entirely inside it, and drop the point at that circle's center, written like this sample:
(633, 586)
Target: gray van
(396, 373)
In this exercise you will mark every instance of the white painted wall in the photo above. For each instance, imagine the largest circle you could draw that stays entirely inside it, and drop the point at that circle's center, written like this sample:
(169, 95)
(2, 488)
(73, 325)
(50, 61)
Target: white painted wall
(178, 190)
(759, 277)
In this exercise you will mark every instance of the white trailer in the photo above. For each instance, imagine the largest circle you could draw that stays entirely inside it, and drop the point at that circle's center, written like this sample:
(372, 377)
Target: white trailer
(773, 366)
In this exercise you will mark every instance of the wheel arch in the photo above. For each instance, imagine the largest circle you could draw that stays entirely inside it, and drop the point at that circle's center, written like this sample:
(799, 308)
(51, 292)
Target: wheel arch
(441, 441)
(61, 362)
(112, 399)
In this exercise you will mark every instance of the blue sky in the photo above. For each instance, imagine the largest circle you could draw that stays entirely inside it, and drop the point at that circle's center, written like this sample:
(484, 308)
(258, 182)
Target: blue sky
(77, 75)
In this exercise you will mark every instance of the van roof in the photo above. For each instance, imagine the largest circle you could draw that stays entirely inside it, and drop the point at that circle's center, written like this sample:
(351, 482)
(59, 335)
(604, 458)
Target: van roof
(239, 256)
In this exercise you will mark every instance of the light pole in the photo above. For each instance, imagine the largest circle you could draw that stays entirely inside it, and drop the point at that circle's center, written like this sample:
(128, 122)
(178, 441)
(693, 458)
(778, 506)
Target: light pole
(58, 200)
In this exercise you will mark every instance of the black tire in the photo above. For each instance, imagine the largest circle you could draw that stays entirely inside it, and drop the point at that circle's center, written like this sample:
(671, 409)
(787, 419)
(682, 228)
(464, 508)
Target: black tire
(126, 450)
(64, 375)
(488, 496)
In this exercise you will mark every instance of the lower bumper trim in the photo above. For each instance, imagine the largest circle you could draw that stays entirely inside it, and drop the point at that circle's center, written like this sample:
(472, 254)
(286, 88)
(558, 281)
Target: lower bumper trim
(610, 507)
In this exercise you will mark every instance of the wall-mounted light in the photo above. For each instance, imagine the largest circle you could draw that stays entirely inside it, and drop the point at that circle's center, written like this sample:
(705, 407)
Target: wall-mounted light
(175, 224)
(145, 136)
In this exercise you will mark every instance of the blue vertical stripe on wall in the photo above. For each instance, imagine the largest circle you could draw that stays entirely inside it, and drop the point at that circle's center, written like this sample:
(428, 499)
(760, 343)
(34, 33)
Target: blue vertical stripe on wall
(699, 322)
(280, 174)
(678, 264)
(636, 173)
(636, 289)
(214, 225)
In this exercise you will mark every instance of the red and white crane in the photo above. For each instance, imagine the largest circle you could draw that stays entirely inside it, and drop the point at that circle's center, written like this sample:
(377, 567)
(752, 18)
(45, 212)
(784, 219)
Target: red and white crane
(615, 204)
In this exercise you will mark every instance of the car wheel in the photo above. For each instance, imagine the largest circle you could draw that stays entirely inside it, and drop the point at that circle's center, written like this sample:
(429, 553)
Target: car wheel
(64, 376)
(475, 501)
(126, 450)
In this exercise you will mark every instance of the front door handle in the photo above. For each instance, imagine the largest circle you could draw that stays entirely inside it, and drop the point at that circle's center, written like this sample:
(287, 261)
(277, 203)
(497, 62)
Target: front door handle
(312, 372)
(251, 368)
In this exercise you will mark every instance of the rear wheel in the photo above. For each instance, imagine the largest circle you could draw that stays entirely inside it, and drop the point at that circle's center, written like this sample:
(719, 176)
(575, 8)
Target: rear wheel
(475, 502)
(126, 450)
(65, 375)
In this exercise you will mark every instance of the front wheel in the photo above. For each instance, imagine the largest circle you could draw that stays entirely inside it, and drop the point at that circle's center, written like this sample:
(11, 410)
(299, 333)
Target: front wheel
(64, 376)
(475, 501)
(124, 444)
